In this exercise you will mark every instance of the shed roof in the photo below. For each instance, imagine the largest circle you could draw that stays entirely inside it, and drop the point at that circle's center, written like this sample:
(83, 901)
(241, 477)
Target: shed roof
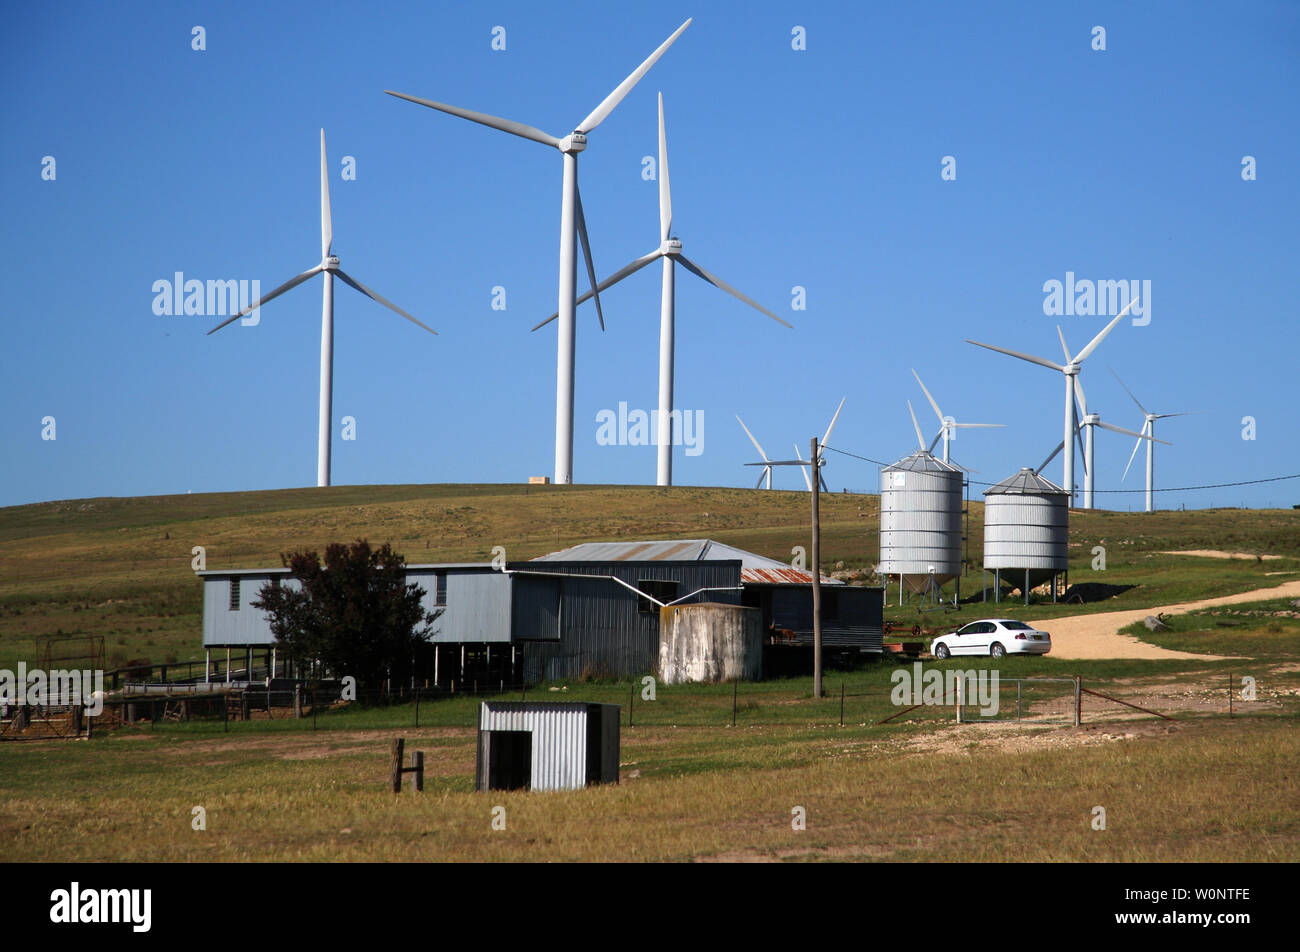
(754, 568)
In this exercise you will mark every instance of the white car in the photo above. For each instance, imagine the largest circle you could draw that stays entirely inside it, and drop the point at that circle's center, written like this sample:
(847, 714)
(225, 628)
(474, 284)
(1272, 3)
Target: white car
(994, 637)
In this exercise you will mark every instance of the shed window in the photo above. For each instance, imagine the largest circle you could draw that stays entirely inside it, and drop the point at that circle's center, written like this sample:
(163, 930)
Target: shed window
(657, 589)
(440, 588)
(234, 594)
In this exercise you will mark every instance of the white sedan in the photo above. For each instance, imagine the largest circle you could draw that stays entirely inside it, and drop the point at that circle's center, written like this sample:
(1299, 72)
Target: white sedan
(994, 637)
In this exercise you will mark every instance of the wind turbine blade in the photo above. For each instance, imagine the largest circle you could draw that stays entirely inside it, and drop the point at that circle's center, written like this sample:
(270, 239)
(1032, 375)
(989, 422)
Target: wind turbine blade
(382, 300)
(920, 440)
(719, 283)
(822, 479)
(1128, 391)
(288, 285)
(1141, 436)
(665, 193)
(1059, 446)
(1083, 453)
(326, 220)
(1042, 362)
(935, 442)
(1092, 345)
(613, 99)
(937, 411)
(803, 469)
(613, 279)
(586, 252)
(827, 438)
(751, 439)
(761, 475)
(1060, 333)
(496, 122)
(1079, 397)
(1132, 456)
(1163, 416)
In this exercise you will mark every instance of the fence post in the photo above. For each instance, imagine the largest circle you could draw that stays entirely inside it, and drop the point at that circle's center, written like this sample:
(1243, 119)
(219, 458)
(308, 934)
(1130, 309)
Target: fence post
(395, 771)
(841, 704)
(961, 684)
(1078, 701)
(631, 701)
(417, 759)
(297, 701)
(735, 696)
(1019, 684)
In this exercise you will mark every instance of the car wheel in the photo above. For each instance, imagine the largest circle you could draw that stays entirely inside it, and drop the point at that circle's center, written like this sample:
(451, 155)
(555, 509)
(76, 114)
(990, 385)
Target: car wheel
(941, 652)
(997, 651)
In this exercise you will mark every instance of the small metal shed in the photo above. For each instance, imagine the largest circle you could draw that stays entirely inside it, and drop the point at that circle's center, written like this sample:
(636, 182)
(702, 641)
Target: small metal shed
(546, 745)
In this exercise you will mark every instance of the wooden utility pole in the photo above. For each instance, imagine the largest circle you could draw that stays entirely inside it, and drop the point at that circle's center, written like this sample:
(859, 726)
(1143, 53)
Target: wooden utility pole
(816, 569)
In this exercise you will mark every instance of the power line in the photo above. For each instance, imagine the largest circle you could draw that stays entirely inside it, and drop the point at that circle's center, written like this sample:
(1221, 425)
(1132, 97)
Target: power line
(1171, 489)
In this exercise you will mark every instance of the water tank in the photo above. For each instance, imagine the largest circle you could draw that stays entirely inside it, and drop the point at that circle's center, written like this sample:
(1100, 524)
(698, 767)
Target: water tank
(1026, 526)
(920, 520)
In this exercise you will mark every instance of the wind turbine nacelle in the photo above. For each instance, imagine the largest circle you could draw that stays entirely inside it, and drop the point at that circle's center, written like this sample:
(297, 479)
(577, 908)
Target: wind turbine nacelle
(331, 263)
(671, 246)
(573, 142)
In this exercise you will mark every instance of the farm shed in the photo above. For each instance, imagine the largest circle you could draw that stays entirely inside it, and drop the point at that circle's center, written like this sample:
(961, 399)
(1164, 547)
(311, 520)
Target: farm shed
(593, 609)
(530, 745)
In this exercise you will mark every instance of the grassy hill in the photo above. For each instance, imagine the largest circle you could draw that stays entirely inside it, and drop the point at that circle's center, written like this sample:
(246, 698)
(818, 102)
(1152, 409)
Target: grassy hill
(121, 567)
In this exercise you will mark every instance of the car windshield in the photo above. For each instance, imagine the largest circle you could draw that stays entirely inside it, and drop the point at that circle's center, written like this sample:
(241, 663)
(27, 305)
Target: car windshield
(1016, 626)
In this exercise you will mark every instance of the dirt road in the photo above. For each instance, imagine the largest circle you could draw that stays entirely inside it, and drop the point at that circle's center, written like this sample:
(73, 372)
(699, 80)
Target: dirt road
(1097, 636)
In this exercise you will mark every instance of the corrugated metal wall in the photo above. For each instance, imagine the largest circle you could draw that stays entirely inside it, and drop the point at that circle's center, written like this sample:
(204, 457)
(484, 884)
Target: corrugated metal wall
(1026, 531)
(248, 625)
(601, 631)
(559, 738)
(478, 604)
(858, 622)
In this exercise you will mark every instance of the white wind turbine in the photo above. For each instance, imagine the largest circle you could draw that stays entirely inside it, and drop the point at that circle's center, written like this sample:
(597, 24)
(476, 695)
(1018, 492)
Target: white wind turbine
(766, 464)
(330, 267)
(1088, 422)
(1149, 431)
(799, 461)
(1070, 370)
(572, 226)
(670, 251)
(948, 424)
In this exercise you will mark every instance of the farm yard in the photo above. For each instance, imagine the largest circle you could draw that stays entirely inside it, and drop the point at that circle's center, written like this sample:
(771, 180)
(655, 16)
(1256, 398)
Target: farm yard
(1202, 783)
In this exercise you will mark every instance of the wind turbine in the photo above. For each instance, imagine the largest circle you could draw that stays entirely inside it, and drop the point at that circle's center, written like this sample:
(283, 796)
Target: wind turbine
(766, 464)
(1089, 421)
(1070, 370)
(330, 267)
(670, 251)
(571, 223)
(1148, 430)
(948, 424)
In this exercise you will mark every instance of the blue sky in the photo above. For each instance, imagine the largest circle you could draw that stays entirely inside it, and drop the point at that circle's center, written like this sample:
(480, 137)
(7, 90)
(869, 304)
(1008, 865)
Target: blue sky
(817, 168)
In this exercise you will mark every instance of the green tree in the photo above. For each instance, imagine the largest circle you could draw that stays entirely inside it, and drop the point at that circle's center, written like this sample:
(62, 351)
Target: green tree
(355, 613)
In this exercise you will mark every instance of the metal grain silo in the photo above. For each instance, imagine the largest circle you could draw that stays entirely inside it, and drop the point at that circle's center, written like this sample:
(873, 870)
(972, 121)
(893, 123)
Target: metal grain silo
(1026, 531)
(920, 522)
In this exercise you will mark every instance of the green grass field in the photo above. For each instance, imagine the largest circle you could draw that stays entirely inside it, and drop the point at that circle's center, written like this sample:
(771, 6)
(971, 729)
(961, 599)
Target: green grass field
(1203, 786)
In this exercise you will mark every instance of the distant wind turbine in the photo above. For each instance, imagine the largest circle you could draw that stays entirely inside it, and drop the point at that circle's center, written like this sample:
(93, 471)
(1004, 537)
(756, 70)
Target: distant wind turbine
(670, 251)
(947, 424)
(1089, 421)
(1148, 430)
(766, 464)
(1070, 370)
(571, 223)
(330, 267)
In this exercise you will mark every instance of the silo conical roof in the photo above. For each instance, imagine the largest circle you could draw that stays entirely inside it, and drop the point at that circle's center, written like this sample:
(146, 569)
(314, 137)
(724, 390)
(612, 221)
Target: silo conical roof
(1026, 482)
